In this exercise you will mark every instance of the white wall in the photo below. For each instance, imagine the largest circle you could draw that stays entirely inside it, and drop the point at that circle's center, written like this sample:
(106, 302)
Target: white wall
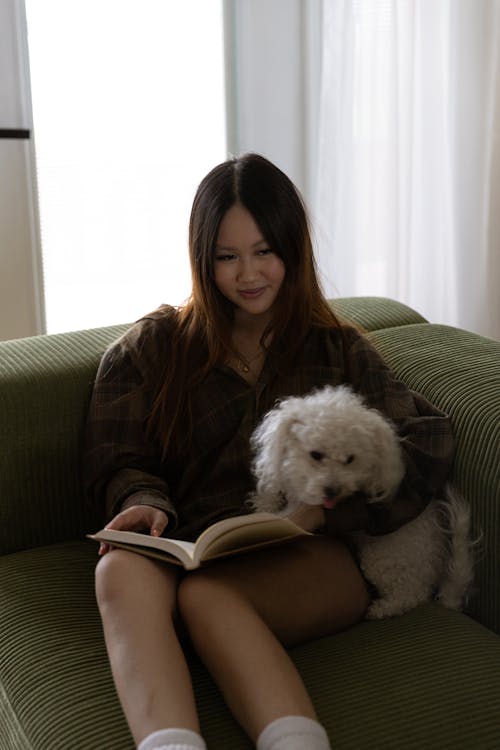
(21, 305)
(273, 74)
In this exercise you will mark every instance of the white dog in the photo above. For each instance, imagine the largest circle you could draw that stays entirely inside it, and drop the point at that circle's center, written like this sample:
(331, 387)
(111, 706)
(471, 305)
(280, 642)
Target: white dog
(324, 447)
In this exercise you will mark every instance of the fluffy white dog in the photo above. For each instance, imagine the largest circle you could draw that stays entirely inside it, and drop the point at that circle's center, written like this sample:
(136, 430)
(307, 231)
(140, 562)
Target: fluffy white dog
(324, 447)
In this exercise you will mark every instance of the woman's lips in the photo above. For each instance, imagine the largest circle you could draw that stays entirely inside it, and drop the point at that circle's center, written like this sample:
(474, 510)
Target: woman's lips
(251, 293)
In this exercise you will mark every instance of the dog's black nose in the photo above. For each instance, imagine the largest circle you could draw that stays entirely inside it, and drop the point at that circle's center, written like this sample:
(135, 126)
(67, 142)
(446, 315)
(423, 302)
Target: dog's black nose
(331, 491)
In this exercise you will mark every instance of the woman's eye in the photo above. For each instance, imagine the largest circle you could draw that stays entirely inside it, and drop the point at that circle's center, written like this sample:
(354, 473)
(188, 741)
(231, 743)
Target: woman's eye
(265, 251)
(226, 256)
(317, 455)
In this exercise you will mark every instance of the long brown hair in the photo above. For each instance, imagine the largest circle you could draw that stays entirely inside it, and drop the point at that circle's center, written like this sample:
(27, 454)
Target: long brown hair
(202, 336)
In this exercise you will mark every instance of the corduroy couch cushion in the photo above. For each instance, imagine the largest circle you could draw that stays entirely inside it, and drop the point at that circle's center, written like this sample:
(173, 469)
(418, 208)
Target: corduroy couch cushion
(429, 679)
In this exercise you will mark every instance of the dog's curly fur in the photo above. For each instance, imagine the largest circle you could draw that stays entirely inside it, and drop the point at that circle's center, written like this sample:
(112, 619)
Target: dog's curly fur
(324, 447)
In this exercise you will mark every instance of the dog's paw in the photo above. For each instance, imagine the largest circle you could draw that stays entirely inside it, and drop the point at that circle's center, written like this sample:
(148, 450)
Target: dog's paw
(379, 609)
(267, 502)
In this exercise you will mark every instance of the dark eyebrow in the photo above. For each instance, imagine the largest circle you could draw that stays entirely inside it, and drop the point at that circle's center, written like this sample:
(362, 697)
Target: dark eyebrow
(232, 249)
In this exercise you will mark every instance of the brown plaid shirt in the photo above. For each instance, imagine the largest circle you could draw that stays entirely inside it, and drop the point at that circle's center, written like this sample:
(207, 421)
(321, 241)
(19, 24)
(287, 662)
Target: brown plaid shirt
(213, 479)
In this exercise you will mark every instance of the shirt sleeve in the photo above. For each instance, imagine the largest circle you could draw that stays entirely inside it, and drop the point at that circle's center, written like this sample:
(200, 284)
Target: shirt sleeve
(122, 465)
(425, 435)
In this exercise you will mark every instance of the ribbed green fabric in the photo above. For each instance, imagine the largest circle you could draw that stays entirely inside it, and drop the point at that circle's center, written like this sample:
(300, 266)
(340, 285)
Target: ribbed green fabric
(429, 679)
(372, 313)
(460, 373)
(44, 387)
(45, 383)
(53, 663)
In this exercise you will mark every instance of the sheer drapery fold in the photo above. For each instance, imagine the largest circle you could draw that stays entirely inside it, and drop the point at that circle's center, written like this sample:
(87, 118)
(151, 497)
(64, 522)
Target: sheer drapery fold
(409, 156)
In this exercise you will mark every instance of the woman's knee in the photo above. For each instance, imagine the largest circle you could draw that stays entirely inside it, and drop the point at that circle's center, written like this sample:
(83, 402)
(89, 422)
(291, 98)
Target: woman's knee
(122, 576)
(111, 574)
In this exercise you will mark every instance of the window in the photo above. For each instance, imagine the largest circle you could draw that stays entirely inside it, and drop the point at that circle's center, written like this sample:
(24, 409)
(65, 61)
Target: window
(129, 114)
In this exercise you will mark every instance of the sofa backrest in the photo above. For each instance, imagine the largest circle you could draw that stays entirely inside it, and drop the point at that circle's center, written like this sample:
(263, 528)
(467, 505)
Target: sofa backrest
(45, 384)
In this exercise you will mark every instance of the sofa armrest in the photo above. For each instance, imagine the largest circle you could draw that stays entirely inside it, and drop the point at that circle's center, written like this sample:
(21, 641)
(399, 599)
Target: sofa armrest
(45, 383)
(459, 372)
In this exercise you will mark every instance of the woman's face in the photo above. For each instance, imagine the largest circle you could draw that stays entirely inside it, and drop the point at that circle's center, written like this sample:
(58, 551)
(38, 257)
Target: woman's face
(247, 271)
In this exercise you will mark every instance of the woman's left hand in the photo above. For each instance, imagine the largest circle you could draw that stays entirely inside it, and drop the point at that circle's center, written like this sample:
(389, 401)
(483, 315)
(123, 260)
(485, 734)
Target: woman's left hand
(308, 517)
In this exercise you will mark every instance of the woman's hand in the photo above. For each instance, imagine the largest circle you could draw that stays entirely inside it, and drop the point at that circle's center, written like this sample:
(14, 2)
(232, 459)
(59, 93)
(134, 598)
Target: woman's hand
(309, 517)
(143, 518)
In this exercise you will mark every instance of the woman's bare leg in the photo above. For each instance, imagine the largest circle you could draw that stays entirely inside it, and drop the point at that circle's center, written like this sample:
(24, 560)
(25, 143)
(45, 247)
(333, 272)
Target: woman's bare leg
(137, 600)
(242, 612)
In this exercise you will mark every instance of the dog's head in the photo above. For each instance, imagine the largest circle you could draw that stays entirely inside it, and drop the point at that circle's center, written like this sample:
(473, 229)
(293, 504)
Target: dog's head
(325, 447)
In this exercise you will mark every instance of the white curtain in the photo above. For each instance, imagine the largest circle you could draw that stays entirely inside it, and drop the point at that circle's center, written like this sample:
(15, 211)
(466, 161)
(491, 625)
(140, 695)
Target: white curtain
(407, 200)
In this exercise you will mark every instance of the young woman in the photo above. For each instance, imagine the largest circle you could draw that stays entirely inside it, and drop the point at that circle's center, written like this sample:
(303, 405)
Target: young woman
(174, 404)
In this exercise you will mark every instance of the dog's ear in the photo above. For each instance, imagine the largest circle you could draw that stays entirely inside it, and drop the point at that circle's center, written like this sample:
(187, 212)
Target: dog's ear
(270, 442)
(388, 468)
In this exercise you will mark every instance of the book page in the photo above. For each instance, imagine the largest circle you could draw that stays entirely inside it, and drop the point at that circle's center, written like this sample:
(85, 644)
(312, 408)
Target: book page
(222, 538)
(132, 540)
(253, 530)
(155, 554)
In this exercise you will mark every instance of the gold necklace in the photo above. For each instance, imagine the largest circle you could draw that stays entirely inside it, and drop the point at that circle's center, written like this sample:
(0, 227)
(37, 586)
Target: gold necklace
(244, 365)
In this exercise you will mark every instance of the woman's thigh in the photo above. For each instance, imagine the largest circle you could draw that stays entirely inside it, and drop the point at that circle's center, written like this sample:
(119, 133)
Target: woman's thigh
(303, 590)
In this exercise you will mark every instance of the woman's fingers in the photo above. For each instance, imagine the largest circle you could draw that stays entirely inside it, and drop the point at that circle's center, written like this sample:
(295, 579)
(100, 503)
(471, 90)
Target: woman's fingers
(137, 518)
(309, 517)
(159, 523)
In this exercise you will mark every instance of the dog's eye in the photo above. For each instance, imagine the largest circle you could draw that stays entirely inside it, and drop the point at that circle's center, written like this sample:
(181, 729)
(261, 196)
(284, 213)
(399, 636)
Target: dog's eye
(349, 459)
(317, 455)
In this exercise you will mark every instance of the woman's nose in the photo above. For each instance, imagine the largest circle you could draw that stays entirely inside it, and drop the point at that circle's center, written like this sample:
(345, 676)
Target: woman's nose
(248, 270)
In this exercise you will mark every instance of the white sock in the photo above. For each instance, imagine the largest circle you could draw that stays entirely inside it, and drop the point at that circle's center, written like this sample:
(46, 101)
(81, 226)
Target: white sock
(173, 739)
(293, 733)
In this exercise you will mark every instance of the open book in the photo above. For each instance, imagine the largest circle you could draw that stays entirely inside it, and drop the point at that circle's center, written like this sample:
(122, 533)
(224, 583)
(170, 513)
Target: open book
(228, 537)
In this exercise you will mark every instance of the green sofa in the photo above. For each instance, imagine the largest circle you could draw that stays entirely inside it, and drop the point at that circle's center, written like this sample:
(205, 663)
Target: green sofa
(429, 679)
